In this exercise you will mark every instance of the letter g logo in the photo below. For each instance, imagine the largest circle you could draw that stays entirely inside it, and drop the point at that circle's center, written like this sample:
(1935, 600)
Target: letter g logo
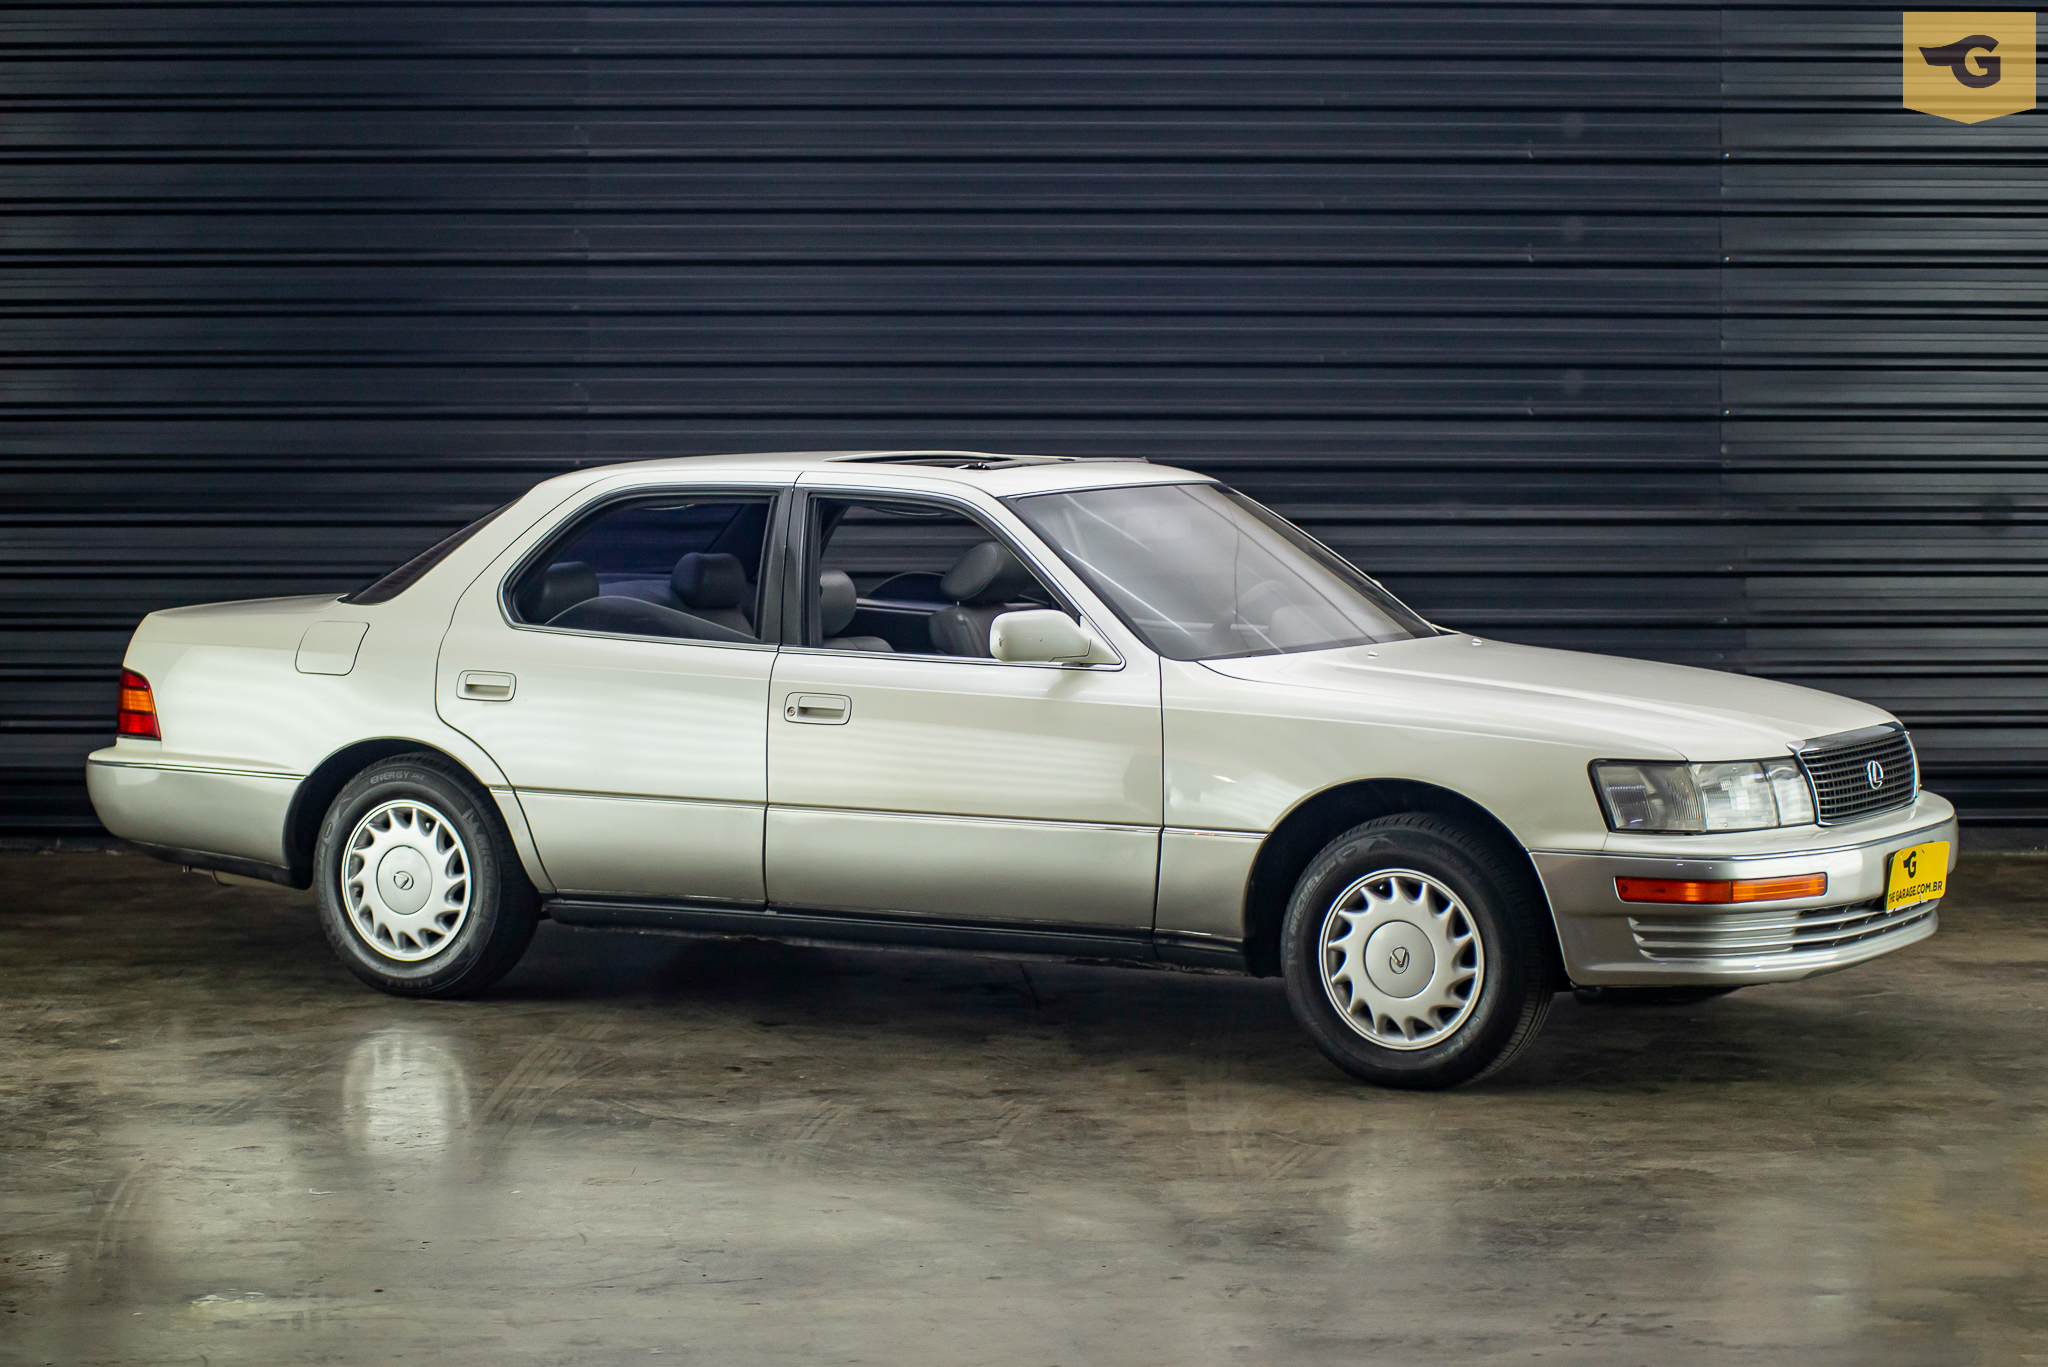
(1956, 57)
(1969, 66)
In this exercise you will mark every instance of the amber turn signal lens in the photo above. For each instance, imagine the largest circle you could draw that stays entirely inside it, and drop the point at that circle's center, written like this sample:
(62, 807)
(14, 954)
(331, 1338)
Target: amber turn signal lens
(1722, 891)
(137, 715)
(1778, 889)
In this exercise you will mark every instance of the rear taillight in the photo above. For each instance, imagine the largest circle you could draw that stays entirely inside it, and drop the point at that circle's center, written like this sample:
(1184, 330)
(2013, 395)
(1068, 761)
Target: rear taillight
(138, 707)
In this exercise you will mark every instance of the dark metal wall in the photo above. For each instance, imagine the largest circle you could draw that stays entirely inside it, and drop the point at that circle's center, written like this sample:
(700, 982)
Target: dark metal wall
(1658, 330)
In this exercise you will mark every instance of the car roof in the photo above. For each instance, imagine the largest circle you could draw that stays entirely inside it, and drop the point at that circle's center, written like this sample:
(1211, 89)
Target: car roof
(996, 473)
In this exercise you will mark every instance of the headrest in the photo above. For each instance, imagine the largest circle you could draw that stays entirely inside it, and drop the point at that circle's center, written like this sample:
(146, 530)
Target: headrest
(709, 581)
(637, 617)
(836, 601)
(986, 574)
(558, 589)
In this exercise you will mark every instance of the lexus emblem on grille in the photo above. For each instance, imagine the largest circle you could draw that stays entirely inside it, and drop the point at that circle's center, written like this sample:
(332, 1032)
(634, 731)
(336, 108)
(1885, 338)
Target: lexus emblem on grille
(1398, 960)
(1875, 773)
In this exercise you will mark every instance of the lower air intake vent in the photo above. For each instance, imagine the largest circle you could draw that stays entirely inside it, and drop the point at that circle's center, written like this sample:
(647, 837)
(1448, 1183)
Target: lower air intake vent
(1757, 934)
(1861, 773)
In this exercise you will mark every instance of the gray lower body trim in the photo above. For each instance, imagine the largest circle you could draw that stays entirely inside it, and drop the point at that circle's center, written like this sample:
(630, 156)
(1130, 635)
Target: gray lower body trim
(826, 926)
(1191, 949)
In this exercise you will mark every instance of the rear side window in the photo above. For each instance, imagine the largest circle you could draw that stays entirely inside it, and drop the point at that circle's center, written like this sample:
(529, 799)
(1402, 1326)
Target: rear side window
(685, 568)
(406, 575)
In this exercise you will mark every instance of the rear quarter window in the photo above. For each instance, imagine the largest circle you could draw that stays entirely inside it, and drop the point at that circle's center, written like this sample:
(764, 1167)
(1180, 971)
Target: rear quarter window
(405, 576)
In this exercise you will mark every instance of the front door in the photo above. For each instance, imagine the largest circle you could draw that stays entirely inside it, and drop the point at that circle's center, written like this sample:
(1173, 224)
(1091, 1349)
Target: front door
(621, 682)
(910, 773)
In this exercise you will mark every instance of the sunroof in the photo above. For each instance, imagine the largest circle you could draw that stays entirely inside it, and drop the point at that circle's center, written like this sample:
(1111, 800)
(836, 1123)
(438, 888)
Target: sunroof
(976, 460)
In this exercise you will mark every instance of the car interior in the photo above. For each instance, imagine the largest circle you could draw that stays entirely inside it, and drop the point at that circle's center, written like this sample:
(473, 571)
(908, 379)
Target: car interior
(687, 569)
(892, 576)
(912, 577)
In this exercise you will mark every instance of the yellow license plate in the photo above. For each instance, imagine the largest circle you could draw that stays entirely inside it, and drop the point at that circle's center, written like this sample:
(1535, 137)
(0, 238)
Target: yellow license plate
(1919, 874)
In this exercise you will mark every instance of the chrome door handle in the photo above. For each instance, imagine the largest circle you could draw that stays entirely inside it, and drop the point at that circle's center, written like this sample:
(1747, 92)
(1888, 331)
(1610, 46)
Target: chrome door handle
(819, 709)
(484, 686)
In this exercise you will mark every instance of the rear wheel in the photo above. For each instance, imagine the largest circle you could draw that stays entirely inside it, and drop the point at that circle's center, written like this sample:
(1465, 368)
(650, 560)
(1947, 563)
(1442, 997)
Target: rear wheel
(1415, 956)
(421, 893)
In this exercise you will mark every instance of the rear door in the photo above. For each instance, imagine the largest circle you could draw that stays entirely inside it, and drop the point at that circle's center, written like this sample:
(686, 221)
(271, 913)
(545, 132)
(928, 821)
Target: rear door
(622, 686)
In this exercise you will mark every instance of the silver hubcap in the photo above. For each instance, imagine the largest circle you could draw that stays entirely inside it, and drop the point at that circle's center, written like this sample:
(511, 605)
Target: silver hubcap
(405, 881)
(1401, 959)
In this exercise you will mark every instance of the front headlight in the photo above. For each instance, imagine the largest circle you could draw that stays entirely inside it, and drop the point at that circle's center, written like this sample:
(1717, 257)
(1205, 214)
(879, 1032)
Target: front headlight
(1690, 799)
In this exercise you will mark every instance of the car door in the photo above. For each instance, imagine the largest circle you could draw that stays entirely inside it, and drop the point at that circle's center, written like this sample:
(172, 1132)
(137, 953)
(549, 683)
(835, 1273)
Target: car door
(964, 789)
(617, 674)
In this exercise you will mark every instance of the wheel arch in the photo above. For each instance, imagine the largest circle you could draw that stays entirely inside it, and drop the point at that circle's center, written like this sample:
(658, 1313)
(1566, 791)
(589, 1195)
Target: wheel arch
(317, 791)
(1321, 817)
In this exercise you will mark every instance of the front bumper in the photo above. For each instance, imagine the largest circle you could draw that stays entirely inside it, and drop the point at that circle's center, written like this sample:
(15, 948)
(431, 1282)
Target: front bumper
(1611, 943)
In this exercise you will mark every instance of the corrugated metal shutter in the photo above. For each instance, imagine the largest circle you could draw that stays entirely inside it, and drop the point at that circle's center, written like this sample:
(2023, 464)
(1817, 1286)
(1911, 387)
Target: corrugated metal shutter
(1885, 439)
(1649, 330)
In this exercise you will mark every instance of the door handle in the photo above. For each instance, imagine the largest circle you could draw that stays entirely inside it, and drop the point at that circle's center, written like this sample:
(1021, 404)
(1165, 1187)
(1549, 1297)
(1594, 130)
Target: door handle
(485, 687)
(819, 709)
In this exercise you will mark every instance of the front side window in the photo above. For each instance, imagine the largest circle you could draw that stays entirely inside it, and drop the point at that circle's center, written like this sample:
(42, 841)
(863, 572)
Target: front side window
(910, 576)
(688, 568)
(1203, 573)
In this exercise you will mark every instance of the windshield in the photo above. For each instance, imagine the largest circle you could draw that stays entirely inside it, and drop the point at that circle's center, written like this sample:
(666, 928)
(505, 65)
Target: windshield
(1203, 573)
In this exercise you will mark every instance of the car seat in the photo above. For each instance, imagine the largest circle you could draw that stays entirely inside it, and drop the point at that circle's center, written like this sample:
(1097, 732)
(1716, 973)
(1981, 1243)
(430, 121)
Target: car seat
(837, 602)
(982, 584)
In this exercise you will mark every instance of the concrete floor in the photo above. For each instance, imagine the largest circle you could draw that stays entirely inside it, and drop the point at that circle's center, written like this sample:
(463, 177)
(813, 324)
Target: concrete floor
(215, 1147)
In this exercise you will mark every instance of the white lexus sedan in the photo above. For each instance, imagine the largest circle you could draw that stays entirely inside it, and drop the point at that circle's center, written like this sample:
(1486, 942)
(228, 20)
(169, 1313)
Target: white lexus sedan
(1020, 705)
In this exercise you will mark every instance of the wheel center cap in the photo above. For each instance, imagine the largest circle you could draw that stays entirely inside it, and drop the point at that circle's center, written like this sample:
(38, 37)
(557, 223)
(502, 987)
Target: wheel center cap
(403, 880)
(1399, 959)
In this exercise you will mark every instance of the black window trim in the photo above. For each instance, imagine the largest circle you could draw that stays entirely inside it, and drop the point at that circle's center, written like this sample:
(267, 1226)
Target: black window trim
(800, 600)
(768, 629)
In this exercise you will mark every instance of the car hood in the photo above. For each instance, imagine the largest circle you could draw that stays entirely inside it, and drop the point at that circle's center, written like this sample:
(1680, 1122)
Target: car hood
(1627, 708)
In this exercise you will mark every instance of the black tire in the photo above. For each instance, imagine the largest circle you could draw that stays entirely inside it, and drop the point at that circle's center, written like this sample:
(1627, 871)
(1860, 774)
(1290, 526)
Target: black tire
(502, 908)
(1515, 964)
(1648, 996)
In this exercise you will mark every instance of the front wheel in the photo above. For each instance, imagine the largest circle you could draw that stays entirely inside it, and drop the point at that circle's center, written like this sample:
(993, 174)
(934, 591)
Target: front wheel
(421, 893)
(1415, 955)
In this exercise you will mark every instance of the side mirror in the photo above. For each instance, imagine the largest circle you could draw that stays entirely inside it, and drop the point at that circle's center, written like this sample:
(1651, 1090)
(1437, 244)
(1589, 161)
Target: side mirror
(1043, 636)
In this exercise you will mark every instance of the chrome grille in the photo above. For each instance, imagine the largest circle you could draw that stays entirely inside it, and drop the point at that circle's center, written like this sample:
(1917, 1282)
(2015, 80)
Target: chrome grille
(1760, 934)
(1840, 769)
